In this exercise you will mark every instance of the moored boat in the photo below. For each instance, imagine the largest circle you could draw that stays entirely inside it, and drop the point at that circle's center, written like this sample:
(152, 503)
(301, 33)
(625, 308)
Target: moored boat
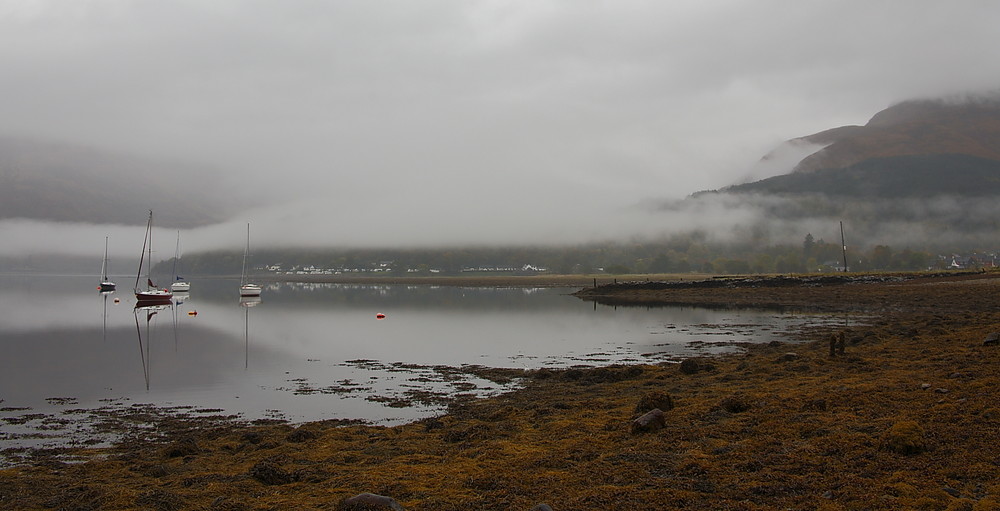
(106, 284)
(248, 288)
(151, 295)
(179, 284)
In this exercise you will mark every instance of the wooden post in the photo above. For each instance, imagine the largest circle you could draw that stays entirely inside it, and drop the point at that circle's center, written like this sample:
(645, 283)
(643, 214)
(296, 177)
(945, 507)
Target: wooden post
(843, 243)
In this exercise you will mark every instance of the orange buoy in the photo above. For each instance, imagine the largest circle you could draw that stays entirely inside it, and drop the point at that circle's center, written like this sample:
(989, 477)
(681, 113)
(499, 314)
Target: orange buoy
(192, 313)
(380, 316)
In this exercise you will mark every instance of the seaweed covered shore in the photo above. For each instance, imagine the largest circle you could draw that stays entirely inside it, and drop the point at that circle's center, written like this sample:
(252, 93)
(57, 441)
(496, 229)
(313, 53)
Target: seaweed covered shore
(899, 410)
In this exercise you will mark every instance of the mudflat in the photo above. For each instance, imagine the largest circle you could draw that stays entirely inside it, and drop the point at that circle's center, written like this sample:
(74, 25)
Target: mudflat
(896, 409)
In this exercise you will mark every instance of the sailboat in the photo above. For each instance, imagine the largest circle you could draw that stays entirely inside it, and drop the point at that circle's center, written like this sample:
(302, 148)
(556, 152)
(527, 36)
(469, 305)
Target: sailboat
(246, 288)
(150, 295)
(179, 285)
(106, 284)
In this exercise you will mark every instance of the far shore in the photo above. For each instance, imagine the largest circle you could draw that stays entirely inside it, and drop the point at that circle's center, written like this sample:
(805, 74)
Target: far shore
(479, 280)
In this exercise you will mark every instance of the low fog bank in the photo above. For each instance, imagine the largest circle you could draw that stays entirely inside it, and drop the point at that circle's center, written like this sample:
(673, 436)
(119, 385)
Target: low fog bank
(743, 221)
(935, 223)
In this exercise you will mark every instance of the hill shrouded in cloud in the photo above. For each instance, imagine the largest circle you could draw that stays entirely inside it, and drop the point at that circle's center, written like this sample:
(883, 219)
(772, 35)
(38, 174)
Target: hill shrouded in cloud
(58, 182)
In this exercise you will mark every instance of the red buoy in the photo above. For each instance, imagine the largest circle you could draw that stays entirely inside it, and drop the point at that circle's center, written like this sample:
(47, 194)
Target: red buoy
(380, 316)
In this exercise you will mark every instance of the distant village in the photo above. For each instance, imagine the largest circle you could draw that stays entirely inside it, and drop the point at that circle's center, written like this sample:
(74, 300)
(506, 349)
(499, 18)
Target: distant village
(941, 262)
(387, 267)
(974, 261)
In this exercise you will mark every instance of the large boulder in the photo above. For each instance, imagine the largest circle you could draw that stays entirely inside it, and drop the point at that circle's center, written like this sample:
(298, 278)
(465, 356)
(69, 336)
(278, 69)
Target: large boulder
(654, 420)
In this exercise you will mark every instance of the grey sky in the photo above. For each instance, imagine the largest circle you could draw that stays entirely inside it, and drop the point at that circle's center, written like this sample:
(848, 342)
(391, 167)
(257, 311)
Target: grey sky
(420, 122)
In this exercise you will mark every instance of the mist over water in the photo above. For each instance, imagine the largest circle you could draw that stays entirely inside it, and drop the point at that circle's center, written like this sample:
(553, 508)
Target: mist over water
(413, 223)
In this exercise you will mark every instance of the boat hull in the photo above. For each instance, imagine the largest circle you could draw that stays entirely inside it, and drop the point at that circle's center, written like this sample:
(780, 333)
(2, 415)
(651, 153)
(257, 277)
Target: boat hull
(153, 297)
(249, 290)
(180, 286)
(107, 286)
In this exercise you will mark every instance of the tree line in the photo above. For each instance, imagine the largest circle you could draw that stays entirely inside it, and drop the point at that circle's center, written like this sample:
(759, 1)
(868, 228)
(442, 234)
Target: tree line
(691, 252)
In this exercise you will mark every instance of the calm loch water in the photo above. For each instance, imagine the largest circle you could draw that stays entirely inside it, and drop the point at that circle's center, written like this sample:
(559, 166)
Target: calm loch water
(312, 352)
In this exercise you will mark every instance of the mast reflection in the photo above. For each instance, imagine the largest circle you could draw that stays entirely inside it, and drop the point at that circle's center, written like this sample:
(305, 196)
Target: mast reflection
(104, 296)
(148, 313)
(247, 302)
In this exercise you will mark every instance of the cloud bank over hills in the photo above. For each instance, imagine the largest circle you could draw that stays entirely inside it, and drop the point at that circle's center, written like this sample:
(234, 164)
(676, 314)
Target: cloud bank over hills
(473, 122)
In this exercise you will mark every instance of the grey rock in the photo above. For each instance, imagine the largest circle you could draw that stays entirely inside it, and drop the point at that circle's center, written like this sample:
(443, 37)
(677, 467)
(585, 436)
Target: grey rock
(370, 501)
(653, 420)
(788, 357)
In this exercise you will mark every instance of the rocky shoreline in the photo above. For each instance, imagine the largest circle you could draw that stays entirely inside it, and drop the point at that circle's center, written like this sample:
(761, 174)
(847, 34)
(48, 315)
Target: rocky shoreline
(896, 411)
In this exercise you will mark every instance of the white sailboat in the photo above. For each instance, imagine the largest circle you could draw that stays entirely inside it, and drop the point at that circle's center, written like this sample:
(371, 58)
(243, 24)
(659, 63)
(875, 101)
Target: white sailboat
(151, 295)
(247, 288)
(179, 285)
(106, 284)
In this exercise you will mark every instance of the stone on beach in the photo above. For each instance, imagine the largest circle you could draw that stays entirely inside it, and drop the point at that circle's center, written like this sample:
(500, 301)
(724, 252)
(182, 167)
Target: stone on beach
(653, 420)
(370, 501)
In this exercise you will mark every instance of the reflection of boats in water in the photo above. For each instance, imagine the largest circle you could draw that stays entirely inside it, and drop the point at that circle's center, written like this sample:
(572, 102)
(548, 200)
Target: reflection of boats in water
(148, 312)
(179, 284)
(105, 295)
(246, 288)
(106, 284)
(250, 301)
(247, 302)
(151, 295)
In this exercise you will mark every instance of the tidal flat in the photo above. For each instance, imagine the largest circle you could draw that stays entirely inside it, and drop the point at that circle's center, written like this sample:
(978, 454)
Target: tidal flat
(896, 410)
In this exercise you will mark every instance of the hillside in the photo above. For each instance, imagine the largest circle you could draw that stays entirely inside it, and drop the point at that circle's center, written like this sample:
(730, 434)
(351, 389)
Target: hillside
(909, 176)
(58, 182)
(912, 128)
(911, 150)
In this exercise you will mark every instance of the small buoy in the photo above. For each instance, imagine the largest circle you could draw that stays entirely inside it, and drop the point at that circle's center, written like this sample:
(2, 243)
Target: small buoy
(380, 316)
(192, 313)
(117, 300)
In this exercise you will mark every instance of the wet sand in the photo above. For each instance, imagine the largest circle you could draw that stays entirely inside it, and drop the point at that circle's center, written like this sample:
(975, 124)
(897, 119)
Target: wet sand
(905, 416)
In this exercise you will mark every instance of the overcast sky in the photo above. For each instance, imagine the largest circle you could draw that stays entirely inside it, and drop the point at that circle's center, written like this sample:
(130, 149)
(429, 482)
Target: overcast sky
(419, 122)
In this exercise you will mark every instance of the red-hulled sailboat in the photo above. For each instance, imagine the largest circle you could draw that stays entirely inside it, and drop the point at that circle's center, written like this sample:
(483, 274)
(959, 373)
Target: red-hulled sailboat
(151, 295)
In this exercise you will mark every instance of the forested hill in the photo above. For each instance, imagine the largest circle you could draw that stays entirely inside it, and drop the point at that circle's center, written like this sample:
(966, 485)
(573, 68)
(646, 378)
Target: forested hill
(911, 150)
(912, 128)
(59, 182)
(910, 176)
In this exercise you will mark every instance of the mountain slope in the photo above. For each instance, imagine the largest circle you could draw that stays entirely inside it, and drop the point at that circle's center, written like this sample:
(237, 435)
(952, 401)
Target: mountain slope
(58, 182)
(912, 128)
(913, 149)
(891, 177)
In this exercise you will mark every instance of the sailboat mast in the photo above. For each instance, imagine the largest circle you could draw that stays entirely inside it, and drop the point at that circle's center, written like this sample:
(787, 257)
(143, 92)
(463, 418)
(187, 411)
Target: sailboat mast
(149, 256)
(246, 251)
(104, 264)
(177, 253)
(142, 255)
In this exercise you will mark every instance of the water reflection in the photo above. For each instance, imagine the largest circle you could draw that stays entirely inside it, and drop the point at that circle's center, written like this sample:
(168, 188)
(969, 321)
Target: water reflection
(247, 302)
(319, 351)
(104, 317)
(149, 312)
